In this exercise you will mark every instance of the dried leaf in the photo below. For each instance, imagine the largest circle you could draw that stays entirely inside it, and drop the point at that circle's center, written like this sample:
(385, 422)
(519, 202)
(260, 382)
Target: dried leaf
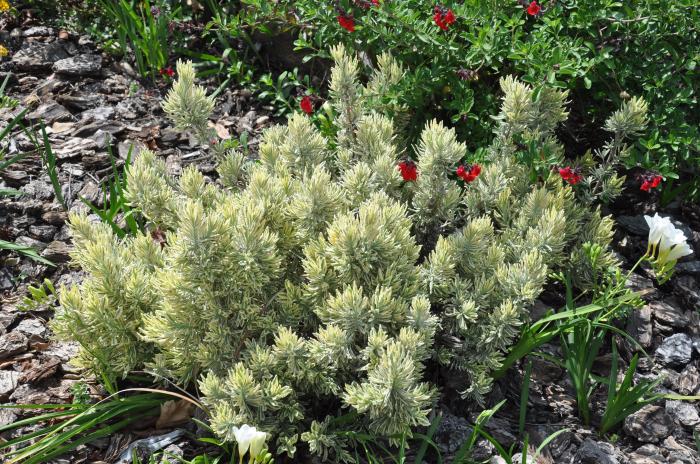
(221, 131)
(174, 413)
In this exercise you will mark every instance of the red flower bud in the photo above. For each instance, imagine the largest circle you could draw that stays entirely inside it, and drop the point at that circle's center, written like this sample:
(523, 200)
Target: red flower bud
(347, 22)
(166, 71)
(470, 173)
(409, 170)
(443, 17)
(572, 176)
(650, 181)
(534, 9)
(306, 105)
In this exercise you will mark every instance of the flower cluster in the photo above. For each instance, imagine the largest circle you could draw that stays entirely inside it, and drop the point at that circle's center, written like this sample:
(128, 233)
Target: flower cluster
(249, 439)
(533, 9)
(3, 50)
(666, 245)
(443, 17)
(650, 181)
(572, 176)
(306, 104)
(468, 173)
(346, 21)
(4, 5)
(409, 170)
(169, 71)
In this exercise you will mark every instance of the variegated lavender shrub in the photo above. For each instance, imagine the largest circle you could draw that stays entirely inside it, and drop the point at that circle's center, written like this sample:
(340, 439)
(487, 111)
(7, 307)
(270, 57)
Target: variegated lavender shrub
(314, 280)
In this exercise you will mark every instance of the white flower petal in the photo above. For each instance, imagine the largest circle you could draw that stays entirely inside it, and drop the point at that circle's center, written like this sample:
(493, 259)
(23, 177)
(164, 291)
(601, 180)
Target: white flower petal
(243, 437)
(679, 251)
(257, 443)
(671, 242)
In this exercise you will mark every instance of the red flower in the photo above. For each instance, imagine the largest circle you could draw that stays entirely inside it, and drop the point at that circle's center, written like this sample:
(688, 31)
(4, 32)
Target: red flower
(166, 71)
(306, 105)
(409, 170)
(650, 181)
(347, 22)
(443, 17)
(534, 9)
(572, 176)
(469, 173)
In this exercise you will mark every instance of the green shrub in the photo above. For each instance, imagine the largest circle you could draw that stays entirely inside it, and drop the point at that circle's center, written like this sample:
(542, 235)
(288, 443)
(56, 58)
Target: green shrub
(317, 280)
(602, 51)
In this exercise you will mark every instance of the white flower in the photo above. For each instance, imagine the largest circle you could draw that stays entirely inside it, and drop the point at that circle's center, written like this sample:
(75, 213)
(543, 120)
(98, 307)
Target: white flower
(257, 444)
(671, 242)
(249, 437)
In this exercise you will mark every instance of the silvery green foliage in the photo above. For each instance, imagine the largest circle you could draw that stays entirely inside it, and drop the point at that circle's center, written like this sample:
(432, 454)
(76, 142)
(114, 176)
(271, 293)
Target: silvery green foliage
(532, 115)
(316, 282)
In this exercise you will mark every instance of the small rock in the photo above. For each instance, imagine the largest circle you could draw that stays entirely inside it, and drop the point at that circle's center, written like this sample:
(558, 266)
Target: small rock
(686, 287)
(91, 192)
(32, 328)
(44, 233)
(452, 432)
(593, 452)
(545, 371)
(172, 452)
(518, 458)
(56, 218)
(679, 454)
(37, 370)
(39, 189)
(7, 417)
(38, 31)
(6, 320)
(639, 327)
(81, 65)
(12, 343)
(650, 424)
(668, 314)
(80, 102)
(36, 56)
(636, 225)
(57, 252)
(676, 350)
(689, 267)
(688, 381)
(100, 113)
(638, 283)
(61, 127)
(6, 280)
(65, 351)
(14, 178)
(8, 383)
(683, 413)
(94, 161)
(648, 454)
(50, 112)
(74, 147)
(30, 242)
(26, 394)
(102, 139)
